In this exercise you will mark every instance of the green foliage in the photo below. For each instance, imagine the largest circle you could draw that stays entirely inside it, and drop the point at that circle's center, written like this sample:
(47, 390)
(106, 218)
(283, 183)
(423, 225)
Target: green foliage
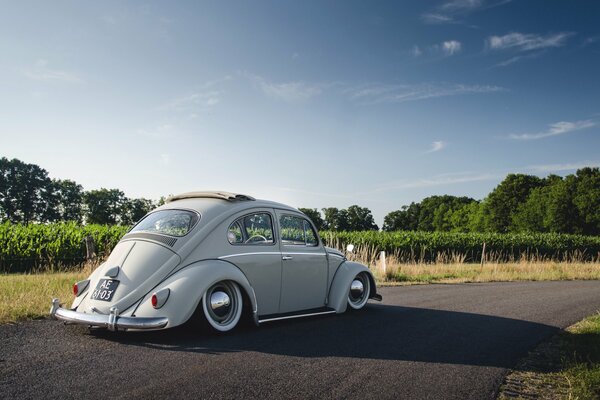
(520, 203)
(434, 213)
(23, 191)
(23, 247)
(506, 198)
(427, 246)
(354, 218)
(103, 206)
(315, 217)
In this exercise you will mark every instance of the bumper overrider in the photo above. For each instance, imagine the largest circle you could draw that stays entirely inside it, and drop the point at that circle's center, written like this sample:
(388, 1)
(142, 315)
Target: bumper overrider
(111, 321)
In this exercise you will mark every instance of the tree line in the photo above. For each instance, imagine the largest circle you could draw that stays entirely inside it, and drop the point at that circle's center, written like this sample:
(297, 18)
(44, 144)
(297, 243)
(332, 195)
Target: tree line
(28, 195)
(520, 203)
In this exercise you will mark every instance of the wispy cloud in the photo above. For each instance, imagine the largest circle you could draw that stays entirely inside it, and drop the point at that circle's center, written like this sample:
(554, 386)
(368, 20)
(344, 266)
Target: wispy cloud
(439, 180)
(451, 47)
(527, 41)
(563, 167)
(436, 146)
(385, 93)
(193, 101)
(555, 129)
(446, 48)
(451, 12)
(291, 92)
(42, 72)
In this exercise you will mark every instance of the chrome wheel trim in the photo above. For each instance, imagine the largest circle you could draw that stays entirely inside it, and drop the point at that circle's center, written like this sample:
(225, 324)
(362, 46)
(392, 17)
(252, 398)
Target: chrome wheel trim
(358, 298)
(222, 305)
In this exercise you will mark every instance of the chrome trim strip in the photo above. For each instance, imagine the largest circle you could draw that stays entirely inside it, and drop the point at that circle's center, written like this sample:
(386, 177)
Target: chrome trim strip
(260, 321)
(304, 254)
(270, 253)
(111, 321)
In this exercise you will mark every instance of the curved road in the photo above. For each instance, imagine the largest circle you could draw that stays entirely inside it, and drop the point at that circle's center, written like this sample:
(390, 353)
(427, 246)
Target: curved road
(434, 341)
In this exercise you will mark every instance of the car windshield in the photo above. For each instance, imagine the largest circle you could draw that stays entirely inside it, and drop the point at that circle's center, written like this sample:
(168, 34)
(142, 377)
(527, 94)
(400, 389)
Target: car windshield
(168, 222)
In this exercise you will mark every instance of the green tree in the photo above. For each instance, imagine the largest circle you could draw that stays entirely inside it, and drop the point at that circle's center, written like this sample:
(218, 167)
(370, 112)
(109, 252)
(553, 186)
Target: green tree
(505, 199)
(405, 219)
(587, 199)
(25, 191)
(103, 206)
(69, 200)
(315, 217)
(133, 210)
(360, 219)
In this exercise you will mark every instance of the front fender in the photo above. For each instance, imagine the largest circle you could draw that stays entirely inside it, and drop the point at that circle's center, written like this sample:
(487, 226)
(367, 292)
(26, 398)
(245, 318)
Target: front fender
(340, 287)
(187, 287)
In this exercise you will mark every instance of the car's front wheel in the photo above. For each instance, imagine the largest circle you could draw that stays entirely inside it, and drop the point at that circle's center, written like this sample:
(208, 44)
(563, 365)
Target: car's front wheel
(222, 305)
(360, 289)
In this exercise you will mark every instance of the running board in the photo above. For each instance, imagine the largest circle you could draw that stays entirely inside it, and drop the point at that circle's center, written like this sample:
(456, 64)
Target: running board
(310, 313)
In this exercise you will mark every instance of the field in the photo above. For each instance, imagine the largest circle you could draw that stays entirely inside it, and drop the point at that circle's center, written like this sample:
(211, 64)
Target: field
(25, 248)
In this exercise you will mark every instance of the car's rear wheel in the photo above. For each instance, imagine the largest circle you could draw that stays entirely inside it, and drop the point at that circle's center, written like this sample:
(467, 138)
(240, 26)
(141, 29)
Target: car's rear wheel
(222, 305)
(360, 289)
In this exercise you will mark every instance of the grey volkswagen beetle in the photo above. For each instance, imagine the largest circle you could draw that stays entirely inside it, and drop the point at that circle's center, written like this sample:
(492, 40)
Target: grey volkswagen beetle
(213, 255)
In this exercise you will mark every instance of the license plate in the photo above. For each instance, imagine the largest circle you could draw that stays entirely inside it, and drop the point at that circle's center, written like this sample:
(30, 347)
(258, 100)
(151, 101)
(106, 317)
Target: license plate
(105, 290)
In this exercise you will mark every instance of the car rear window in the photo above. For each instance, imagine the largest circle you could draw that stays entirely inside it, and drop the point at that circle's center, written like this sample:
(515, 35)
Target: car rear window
(168, 222)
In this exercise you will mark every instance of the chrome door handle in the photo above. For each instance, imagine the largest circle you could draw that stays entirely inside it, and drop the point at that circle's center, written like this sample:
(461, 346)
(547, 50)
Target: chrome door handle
(285, 258)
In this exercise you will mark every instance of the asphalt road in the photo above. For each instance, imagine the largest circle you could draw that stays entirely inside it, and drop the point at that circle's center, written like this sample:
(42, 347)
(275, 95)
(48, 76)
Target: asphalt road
(434, 341)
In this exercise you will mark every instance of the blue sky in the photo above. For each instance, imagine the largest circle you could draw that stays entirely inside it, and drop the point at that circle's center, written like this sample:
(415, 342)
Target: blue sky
(314, 104)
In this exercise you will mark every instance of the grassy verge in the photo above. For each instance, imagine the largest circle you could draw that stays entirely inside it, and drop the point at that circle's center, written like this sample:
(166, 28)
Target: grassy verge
(28, 296)
(566, 367)
(397, 274)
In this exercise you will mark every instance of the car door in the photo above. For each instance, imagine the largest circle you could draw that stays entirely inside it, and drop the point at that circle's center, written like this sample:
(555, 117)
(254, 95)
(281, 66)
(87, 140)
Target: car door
(304, 264)
(255, 251)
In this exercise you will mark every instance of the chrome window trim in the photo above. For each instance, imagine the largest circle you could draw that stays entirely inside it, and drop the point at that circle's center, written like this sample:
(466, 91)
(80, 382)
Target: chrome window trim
(168, 209)
(303, 219)
(254, 244)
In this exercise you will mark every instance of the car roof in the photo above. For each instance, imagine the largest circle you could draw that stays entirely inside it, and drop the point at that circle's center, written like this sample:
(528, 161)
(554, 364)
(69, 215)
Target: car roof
(211, 195)
(213, 204)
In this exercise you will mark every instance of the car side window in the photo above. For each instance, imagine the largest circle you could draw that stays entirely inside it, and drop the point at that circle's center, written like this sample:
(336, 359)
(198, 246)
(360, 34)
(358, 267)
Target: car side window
(297, 231)
(252, 229)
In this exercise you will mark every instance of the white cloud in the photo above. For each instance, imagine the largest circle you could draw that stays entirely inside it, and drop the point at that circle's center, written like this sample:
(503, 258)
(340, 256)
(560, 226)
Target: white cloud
(558, 128)
(41, 72)
(436, 146)
(165, 159)
(439, 180)
(193, 101)
(527, 41)
(452, 11)
(381, 93)
(288, 91)
(451, 47)
(433, 18)
(563, 167)
(416, 51)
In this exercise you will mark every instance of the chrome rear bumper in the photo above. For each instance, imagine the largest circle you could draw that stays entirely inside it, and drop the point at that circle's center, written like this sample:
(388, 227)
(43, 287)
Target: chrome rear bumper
(111, 321)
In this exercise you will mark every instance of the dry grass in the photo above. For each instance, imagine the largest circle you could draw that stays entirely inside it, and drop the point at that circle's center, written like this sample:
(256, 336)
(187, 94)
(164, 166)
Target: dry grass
(28, 296)
(452, 269)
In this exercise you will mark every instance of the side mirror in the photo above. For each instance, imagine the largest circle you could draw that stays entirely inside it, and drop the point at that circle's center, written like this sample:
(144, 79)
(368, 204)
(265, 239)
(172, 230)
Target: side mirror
(350, 248)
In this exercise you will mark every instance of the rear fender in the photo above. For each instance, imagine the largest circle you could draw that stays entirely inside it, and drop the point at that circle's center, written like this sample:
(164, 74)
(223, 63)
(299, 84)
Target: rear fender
(340, 287)
(187, 286)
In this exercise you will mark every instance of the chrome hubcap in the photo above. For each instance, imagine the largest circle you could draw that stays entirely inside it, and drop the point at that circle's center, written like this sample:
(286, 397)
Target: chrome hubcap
(356, 289)
(220, 303)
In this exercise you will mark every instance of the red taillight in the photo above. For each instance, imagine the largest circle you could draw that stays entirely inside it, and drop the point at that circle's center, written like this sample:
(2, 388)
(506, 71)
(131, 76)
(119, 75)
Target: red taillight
(75, 289)
(154, 300)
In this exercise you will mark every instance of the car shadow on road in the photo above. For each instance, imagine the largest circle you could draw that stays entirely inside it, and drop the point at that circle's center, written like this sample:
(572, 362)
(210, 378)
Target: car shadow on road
(381, 332)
